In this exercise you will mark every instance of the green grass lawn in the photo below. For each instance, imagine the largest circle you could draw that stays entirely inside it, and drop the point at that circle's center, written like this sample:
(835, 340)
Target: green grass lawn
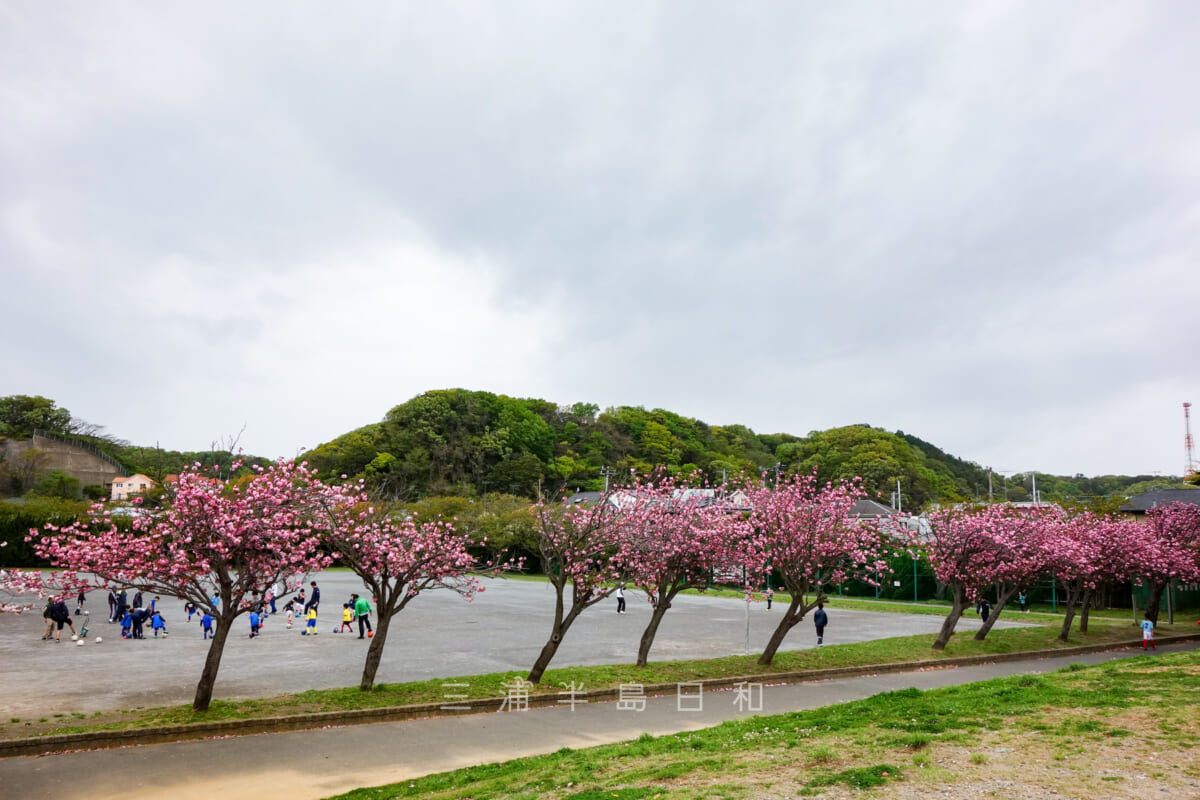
(882, 651)
(1124, 728)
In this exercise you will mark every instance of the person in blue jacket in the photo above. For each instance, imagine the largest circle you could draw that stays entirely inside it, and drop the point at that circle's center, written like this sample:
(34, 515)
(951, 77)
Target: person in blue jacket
(820, 619)
(315, 600)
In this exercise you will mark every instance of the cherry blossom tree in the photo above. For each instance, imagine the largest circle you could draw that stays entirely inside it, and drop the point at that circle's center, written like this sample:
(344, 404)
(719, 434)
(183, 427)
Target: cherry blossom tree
(965, 548)
(1023, 538)
(806, 533)
(1171, 550)
(228, 539)
(674, 540)
(1086, 550)
(16, 585)
(396, 559)
(577, 546)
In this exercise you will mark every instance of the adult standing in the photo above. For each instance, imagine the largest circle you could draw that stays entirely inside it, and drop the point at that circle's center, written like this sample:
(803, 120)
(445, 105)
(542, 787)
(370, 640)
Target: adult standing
(985, 609)
(122, 604)
(362, 610)
(137, 599)
(315, 600)
(621, 599)
(112, 604)
(820, 620)
(61, 616)
(49, 632)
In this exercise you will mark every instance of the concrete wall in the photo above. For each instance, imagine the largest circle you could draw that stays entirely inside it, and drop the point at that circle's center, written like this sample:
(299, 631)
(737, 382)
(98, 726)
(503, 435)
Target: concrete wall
(77, 462)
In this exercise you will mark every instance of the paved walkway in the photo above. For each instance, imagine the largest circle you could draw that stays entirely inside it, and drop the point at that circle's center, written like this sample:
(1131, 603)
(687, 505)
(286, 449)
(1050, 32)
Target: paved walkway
(439, 635)
(317, 764)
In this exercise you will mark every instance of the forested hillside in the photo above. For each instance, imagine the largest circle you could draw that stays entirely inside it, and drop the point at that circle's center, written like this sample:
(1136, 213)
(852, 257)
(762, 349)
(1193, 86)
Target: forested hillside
(22, 415)
(469, 443)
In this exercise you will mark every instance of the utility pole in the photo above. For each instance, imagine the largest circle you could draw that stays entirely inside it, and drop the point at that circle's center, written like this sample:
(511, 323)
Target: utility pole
(1035, 497)
(605, 472)
(899, 502)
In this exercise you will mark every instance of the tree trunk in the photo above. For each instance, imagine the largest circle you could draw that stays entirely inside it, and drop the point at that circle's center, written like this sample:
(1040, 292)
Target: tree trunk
(1083, 613)
(1156, 593)
(212, 662)
(956, 612)
(1072, 601)
(375, 652)
(796, 611)
(562, 623)
(652, 629)
(548, 651)
(1001, 602)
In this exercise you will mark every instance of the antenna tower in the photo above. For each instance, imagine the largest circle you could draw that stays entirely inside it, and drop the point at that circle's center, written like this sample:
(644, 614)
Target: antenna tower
(1190, 466)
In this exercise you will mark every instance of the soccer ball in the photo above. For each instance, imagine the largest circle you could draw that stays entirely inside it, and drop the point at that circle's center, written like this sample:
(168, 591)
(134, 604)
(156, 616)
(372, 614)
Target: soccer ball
(370, 634)
(98, 640)
(335, 630)
(79, 642)
(74, 637)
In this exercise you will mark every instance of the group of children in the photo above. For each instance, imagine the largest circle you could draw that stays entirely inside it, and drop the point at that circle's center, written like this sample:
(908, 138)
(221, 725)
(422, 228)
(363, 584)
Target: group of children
(134, 620)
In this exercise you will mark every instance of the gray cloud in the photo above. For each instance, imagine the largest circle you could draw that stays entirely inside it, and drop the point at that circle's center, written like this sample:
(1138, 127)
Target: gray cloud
(976, 223)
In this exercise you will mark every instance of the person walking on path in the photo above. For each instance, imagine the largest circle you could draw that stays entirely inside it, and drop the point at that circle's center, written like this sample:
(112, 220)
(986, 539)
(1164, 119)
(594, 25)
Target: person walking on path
(362, 610)
(1024, 601)
(770, 595)
(985, 609)
(1148, 633)
(621, 599)
(820, 620)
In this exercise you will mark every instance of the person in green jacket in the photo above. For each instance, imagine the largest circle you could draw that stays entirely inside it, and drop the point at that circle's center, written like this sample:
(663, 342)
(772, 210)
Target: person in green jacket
(362, 611)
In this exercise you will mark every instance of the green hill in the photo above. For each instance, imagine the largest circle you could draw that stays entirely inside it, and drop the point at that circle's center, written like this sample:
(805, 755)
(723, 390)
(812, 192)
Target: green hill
(470, 443)
(463, 442)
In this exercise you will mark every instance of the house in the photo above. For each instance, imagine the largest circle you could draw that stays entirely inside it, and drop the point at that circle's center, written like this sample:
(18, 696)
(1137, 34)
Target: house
(124, 488)
(1139, 504)
(866, 508)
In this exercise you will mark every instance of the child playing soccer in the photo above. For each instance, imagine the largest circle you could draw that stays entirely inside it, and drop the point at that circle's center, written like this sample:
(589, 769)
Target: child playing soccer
(127, 624)
(311, 627)
(158, 624)
(347, 616)
(1148, 634)
(254, 623)
(190, 608)
(206, 622)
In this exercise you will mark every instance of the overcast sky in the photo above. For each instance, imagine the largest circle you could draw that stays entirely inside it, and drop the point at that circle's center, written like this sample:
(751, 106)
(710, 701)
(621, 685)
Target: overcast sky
(975, 222)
